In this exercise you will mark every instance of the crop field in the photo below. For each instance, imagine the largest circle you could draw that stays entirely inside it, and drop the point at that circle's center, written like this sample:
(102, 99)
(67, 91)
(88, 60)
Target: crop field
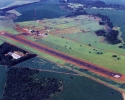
(3, 71)
(43, 64)
(82, 88)
(86, 52)
(46, 9)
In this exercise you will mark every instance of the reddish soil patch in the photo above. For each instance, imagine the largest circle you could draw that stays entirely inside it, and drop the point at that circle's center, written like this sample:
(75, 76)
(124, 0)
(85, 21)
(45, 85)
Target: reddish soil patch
(24, 34)
(123, 95)
(123, 78)
(69, 30)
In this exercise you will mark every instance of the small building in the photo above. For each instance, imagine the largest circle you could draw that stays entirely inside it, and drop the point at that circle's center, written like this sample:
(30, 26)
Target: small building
(14, 55)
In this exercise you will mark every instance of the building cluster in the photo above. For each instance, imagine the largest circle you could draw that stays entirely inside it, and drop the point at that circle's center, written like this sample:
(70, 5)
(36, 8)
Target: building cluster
(75, 6)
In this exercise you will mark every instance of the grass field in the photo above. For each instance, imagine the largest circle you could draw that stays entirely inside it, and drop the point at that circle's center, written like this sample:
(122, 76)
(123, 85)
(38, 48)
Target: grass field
(1, 42)
(83, 51)
(81, 88)
(8, 29)
(46, 9)
(80, 23)
(86, 47)
(40, 63)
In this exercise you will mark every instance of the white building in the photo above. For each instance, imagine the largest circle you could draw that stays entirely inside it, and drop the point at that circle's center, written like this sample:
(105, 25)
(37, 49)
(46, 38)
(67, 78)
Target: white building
(15, 56)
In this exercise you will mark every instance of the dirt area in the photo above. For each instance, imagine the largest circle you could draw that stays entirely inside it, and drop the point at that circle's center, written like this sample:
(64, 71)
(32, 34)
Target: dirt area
(70, 30)
(122, 78)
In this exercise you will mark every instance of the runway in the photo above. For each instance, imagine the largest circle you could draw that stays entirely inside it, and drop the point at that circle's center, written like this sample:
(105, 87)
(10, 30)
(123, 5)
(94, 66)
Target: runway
(63, 56)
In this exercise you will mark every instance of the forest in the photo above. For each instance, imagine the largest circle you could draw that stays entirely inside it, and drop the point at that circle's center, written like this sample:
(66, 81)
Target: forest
(8, 60)
(24, 84)
(111, 36)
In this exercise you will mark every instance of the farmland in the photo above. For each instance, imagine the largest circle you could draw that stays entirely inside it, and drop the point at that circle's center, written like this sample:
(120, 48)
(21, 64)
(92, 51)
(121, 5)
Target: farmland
(80, 41)
(82, 88)
(44, 9)
(68, 69)
(60, 39)
(84, 45)
(67, 35)
(43, 64)
(85, 52)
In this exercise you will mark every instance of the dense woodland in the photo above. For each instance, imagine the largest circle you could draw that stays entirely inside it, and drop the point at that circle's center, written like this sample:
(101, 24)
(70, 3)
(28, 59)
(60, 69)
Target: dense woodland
(105, 19)
(76, 13)
(23, 84)
(8, 60)
(111, 36)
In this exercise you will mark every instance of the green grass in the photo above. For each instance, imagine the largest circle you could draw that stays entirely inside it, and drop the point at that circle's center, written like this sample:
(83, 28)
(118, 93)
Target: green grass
(1, 42)
(78, 51)
(81, 88)
(85, 38)
(43, 10)
(70, 36)
(40, 63)
(9, 30)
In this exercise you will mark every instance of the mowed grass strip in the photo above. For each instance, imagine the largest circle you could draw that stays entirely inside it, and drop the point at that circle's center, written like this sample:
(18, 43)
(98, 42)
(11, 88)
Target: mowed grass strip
(1, 42)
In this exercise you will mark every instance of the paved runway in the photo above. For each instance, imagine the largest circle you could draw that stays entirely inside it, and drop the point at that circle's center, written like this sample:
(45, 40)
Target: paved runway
(63, 56)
